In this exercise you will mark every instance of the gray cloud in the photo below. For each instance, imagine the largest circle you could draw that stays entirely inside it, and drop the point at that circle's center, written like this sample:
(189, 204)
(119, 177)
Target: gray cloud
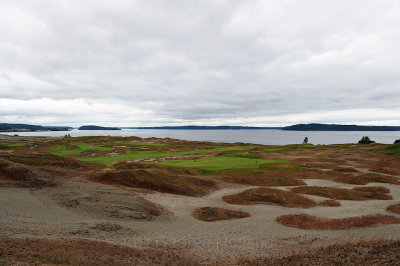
(199, 62)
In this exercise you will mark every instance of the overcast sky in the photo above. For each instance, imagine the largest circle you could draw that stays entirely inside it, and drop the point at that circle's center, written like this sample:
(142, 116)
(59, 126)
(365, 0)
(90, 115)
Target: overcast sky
(146, 63)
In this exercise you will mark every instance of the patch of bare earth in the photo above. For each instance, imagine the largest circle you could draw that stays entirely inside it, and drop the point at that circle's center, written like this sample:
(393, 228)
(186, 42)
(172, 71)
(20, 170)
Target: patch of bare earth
(359, 193)
(374, 252)
(211, 214)
(304, 221)
(394, 208)
(269, 196)
(85, 252)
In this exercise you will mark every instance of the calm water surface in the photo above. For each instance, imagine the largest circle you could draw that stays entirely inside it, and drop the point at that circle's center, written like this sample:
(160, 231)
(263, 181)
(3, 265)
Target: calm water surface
(269, 137)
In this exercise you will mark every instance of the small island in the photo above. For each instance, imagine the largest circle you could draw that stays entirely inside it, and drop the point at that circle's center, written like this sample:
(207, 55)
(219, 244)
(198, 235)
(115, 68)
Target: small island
(91, 127)
(336, 127)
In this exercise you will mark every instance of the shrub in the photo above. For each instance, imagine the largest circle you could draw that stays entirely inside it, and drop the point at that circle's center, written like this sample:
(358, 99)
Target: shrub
(366, 140)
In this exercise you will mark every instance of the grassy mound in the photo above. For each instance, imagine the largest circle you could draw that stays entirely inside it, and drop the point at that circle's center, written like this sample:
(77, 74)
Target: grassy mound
(366, 179)
(359, 193)
(47, 160)
(394, 208)
(211, 214)
(304, 221)
(263, 180)
(70, 252)
(23, 176)
(393, 149)
(374, 252)
(269, 196)
(170, 169)
(156, 179)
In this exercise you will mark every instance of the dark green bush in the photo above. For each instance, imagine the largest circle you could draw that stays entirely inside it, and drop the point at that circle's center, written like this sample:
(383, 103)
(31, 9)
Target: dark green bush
(366, 140)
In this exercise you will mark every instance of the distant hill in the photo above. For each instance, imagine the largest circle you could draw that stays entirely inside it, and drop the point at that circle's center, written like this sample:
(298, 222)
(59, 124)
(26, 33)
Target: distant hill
(4, 127)
(335, 127)
(91, 127)
(203, 127)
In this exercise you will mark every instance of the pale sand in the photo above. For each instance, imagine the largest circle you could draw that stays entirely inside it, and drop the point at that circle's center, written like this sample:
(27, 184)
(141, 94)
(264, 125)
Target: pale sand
(50, 212)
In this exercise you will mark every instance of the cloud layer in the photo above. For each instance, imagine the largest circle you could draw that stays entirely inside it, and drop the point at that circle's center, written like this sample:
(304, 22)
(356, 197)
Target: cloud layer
(133, 63)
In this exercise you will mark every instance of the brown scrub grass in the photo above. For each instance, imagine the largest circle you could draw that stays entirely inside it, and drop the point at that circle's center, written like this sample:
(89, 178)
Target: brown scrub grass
(366, 179)
(329, 203)
(263, 180)
(211, 214)
(157, 180)
(305, 221)
(269, 196)
(394, 208)
(47, 160)
(371, 252)
(15, 174)
(359, 193)
(387, 166)
(85, 252)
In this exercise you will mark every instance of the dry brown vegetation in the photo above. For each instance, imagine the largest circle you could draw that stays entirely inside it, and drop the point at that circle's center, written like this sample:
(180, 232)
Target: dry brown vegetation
(329, 203)
(14, 174)
(394, 208)
(366, 178)
(167, 168)
(344, 170)
(359, 193)
(374, 252)
(211, 214)
(156, 179)
(269, 196)
(387, 165)
(304, 221)
(263, 180)
(85, 252)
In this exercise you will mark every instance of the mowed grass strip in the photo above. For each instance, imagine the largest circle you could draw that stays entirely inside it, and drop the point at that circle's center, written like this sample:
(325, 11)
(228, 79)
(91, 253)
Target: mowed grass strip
(135, 155)
(13, 144)
(216, 163)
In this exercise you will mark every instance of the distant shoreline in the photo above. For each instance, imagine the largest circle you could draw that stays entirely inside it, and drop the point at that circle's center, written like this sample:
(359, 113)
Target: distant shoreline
(299, 127)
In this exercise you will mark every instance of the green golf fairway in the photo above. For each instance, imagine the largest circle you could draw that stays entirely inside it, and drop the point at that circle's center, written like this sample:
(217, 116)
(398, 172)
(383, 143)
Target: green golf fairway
(221, 163)
(135, 155)
(82, 147)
